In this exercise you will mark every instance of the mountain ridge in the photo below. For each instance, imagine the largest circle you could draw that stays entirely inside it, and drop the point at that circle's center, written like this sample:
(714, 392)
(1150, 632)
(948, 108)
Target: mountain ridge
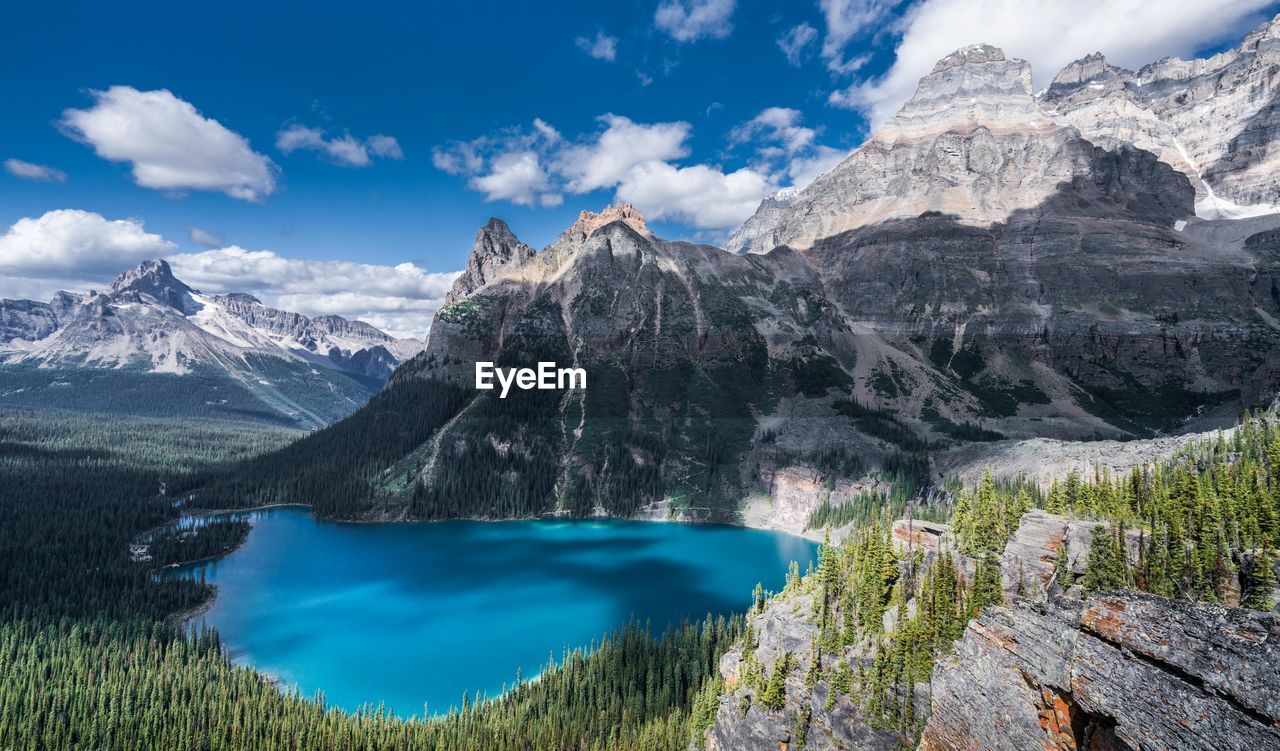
(150, 323)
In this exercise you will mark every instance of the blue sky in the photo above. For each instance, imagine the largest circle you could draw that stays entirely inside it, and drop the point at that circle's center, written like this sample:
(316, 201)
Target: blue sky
(374, 135)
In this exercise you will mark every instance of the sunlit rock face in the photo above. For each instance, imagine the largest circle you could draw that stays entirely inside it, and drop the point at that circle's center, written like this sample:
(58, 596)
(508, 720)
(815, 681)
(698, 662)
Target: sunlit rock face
(1122, 671)
(972, 144)
(1215, 119)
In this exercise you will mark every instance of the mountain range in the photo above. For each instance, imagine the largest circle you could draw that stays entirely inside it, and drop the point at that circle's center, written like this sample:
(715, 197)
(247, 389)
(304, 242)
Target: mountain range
(991, 264)
(150, 344)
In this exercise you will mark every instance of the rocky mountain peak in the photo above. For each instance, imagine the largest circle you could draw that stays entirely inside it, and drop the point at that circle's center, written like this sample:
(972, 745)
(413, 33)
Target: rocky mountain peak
(975, 85)
(156, 279)
(590, 221)
(1090, 70)
(240, 297)
(974, 54)
(495, 250)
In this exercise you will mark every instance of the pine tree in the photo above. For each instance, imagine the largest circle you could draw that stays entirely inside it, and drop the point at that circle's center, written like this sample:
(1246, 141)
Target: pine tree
(986, 585)
(1262, 583)
(1106, 564)
(774, 695)
(1062, 573)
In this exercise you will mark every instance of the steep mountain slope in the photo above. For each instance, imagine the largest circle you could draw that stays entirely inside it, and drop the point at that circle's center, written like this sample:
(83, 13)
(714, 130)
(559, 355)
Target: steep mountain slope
(194, 353)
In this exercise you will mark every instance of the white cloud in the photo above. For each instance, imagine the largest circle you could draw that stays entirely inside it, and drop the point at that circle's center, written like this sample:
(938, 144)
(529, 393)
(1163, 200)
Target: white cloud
(796, 41)
(397, 299)
(1047, 33)
(690, 20)
(201, 237)
(344, 150)
(538, 166)
(30, 171)
(601, 46)
(700, 195)
(622, 145)
(515, 176)
(780, 124)
(384, 146)
(68, 243)
(459, 158)
(169, 144)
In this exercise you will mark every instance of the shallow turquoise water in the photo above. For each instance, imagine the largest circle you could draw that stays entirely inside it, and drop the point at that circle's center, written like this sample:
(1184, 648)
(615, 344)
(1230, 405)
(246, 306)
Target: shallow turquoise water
(414, 614)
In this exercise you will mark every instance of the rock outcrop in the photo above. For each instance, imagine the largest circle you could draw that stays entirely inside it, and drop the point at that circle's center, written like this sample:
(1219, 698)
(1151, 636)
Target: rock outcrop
(742, 723)
(1120, 671)
(495, 250)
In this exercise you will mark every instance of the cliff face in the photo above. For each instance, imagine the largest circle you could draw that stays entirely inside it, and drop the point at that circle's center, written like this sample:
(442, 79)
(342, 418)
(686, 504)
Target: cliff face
(1120, 671)
(971, 144)
(1214, 119)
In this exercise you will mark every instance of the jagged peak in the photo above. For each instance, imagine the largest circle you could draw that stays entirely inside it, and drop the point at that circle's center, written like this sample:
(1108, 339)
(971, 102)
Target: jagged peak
(155, 279)
(496, 248)
(971, 55)
(148, 272)
(975, 85)
(590, 221)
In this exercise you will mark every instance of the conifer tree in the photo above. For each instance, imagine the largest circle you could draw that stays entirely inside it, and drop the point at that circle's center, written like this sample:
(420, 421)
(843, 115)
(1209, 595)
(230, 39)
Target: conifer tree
(1106, 564)
(1262, 583)
(986, 585)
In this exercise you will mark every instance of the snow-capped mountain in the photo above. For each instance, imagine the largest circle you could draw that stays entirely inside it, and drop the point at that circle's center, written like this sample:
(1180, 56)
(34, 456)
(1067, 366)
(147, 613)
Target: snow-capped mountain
(151, 323)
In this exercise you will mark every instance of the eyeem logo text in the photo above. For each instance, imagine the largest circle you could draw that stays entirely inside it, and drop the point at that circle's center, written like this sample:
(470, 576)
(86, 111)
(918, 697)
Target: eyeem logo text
(546, 378)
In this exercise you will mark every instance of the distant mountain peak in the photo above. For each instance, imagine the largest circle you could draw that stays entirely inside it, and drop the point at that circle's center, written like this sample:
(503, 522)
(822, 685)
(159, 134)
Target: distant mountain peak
(970, 55)
(241, 297)
(155, 278)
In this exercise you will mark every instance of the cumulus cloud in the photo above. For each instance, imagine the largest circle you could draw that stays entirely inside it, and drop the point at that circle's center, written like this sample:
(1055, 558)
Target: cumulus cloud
(1047, 33)
(30, 171)
(68, 243)
(796, 41)
(538, 166)
(623, 144)
(641, 164)
(398, 299)
(691, 20)
(518, 177)
(169, 144)
(384, 146)
(344, 150)
(700, 196)
(601, 46)
(781, 124)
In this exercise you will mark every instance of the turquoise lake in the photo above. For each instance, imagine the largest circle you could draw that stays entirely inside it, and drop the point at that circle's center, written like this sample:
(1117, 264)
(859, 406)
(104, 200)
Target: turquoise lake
(413, 615)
